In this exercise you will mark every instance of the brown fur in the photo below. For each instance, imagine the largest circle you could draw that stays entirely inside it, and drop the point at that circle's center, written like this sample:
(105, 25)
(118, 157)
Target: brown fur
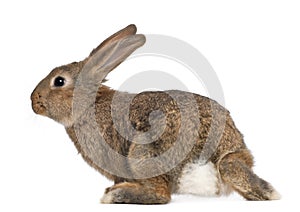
(226, 149)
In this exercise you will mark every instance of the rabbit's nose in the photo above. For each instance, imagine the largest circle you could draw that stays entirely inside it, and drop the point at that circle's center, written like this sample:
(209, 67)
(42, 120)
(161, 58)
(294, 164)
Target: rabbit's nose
(37, 104)
(35, 96)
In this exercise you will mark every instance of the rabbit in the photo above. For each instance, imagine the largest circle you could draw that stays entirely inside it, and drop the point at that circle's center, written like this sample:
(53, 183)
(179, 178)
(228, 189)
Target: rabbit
(166, 142)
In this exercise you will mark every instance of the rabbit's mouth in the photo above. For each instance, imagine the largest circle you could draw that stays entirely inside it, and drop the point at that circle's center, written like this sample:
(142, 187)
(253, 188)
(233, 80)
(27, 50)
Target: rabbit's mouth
(39, 108)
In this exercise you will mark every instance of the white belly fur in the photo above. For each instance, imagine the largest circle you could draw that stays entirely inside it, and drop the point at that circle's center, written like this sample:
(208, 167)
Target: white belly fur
(199, 179)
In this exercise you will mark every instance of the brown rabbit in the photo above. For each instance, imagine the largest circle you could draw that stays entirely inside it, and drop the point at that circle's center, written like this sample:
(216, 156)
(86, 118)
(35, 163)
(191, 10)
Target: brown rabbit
(151, 144)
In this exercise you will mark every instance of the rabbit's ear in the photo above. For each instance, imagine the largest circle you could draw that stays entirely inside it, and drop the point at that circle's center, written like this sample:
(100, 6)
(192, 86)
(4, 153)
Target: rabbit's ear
(112, 52)
(129, 30)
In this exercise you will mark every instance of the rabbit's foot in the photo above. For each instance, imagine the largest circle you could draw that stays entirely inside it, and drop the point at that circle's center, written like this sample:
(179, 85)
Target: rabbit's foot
(136, 193)
(236, 173)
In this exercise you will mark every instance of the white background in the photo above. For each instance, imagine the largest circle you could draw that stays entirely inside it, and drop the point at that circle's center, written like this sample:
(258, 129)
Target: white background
(253, 46)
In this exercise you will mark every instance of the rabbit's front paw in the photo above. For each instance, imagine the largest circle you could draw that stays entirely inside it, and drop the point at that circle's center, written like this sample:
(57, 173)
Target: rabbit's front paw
(111, 197)
(120, 193)
(135, 193)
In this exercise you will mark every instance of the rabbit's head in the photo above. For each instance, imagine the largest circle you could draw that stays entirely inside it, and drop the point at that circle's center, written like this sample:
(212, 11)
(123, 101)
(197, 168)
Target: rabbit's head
(54, 95)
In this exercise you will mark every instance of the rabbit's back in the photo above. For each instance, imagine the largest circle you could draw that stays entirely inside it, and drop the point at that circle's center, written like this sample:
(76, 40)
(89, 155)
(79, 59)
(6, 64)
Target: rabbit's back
(179, 112)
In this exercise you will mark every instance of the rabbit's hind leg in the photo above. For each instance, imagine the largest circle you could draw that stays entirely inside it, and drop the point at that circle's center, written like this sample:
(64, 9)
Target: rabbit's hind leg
(237, 173)
(151, 191)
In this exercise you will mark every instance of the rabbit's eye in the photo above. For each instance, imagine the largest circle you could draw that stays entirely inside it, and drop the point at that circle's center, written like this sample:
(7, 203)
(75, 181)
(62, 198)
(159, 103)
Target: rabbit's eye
(59, 81)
